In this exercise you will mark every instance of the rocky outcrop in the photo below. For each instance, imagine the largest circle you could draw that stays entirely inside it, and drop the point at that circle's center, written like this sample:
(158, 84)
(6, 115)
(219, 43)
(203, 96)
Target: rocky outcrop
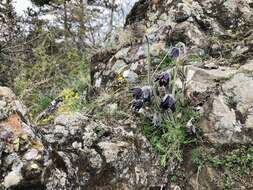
(218, 87)
(206, 27)
(73, 153)
(225, 95)
(21, 151)
(99, 156)
(79, 151)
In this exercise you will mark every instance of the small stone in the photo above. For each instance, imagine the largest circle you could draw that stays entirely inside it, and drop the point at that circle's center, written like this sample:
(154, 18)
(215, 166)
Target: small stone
(34, 166)
(134, 66)
(76, 145)
(59, 129)
(112, 108)
(2, 104)
(13, 178)
(95, 159)
(7, 93)
(98, 82)
(10, 159)
(71, 119)
(111, 150)
(122, 53)
(31, 154)
(130, 76)
(19, 107)
(119, 66)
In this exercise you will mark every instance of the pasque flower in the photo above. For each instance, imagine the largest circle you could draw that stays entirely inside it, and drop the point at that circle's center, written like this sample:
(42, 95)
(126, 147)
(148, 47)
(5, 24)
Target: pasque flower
(168, 102)
(137, 93)
(191, 130)
(147, 93)
(164, 79)
(144, 93)
(137, 104)
(175, 52)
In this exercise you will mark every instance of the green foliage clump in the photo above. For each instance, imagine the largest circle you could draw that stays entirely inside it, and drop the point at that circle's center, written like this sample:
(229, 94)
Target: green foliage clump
(238, 161)
(168, 62)
(176, 117)
(198, 157)
(232, 166)
(43, 101)
(197, 58)
(171, 137)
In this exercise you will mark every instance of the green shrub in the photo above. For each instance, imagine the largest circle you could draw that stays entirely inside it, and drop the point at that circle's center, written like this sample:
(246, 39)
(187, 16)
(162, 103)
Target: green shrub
(39, 83)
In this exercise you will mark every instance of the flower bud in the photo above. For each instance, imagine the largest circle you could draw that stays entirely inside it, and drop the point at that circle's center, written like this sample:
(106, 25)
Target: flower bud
(164, 79)
(137, 93)
(168, 102)
(175, 52)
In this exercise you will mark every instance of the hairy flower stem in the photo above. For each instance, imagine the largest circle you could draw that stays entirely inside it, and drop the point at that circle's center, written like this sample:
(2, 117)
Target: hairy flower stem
(168, 52)
(174, 82)
(149, 62)
(183, 95)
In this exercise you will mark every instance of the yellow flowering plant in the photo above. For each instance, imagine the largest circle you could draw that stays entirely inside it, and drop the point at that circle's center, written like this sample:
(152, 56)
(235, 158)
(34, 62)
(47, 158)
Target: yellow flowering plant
(71, 100)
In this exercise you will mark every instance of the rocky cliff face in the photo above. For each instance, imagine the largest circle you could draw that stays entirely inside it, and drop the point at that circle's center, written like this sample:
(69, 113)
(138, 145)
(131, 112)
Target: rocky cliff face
(87, 151)
(72, 153)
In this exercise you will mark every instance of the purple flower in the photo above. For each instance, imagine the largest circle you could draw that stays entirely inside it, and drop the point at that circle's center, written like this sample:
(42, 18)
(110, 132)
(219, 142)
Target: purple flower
(175, 52)
(147, 93)
(164, 79)
(168, 102)
(144, 93)
(137, 93)
(191, 131)
(137, 105)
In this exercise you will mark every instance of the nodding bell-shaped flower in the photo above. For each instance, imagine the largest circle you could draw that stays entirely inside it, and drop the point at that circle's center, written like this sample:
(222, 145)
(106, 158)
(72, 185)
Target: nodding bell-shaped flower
(164, 79)
(191, 130)
(168, 102)
(137, 93)
(137, 105)
(144, 93)
(147, 93)
(175, 52)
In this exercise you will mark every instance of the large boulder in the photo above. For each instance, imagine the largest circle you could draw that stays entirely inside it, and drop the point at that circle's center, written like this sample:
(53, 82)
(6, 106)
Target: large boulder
(73, 152)
(99, 156)
(206, 27)
(226, 97)
(21, 151)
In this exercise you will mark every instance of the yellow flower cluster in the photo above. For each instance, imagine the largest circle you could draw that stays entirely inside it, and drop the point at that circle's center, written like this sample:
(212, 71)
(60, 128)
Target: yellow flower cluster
(69, 93)
(70, 102)
(120, 78)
